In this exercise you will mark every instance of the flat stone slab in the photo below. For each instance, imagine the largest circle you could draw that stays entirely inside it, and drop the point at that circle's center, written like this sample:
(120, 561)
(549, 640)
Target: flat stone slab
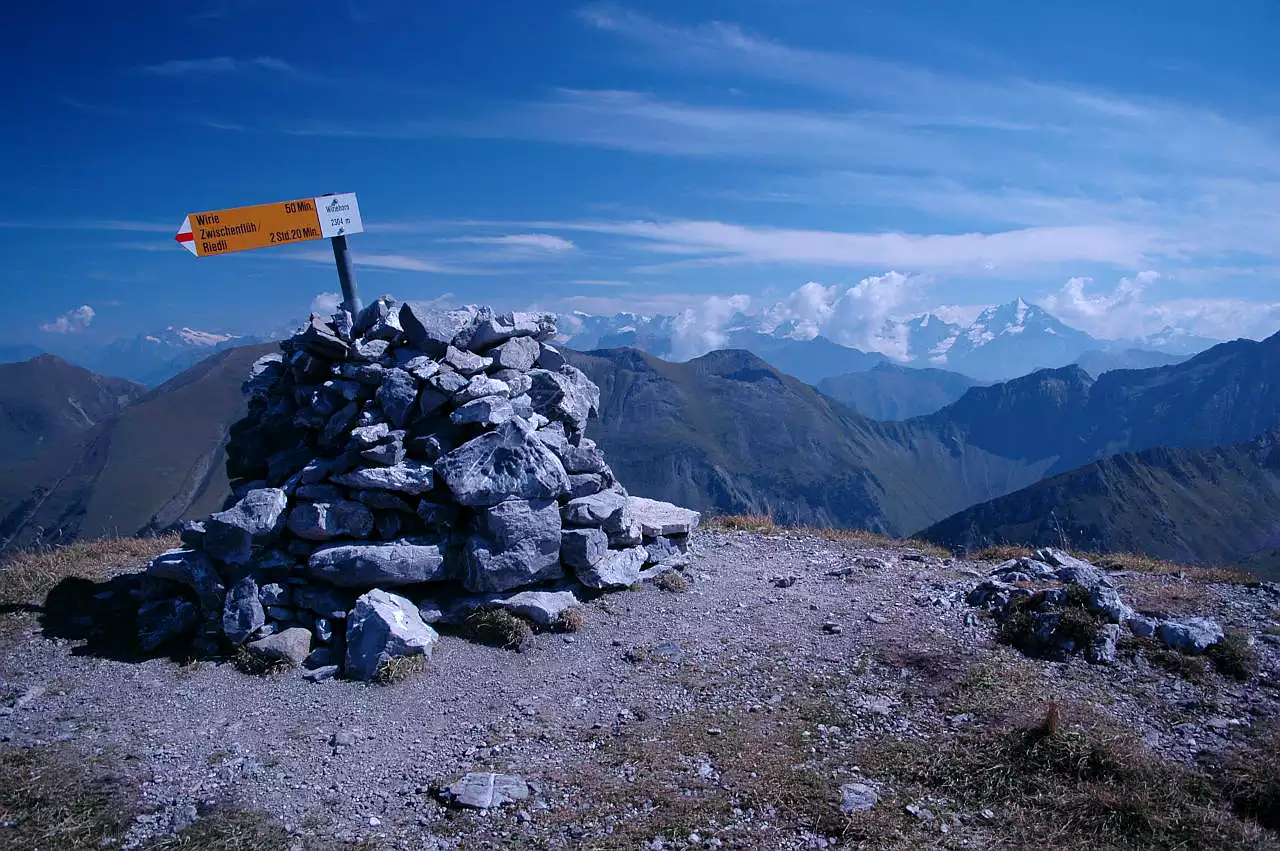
(662, 518)
(484, 790)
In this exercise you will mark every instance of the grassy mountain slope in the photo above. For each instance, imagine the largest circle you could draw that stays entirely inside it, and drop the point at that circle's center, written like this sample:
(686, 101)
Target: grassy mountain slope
(891, 392)
(46, 400)
(1218, 506)
(159, 460)
(728, 433)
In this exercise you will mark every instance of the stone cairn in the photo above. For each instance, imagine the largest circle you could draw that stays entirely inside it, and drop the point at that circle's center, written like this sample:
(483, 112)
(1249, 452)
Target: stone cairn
(401, 468)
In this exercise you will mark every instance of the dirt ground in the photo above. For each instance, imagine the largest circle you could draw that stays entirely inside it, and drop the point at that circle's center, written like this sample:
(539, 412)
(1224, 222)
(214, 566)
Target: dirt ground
(728, 714)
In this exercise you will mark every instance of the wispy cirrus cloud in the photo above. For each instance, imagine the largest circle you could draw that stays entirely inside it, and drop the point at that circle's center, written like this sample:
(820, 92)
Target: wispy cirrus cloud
(388, 261)
(219, 65)
(542, 242)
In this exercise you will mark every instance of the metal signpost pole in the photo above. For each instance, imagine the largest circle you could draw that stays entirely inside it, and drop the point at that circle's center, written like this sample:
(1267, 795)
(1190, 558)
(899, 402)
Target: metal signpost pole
(346, 274)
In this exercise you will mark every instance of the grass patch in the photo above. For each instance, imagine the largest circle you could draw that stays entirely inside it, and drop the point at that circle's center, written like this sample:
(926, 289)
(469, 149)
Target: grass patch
(761, 523)
(27, 577)
(498, 628)
(1002, 552)
(1064, 784)
(1249, 774)
(1190, 668)
(673, 582)
(259, 666)
(1148, 564)
(571, 620)
(1075, 623)
(397, 669)
(1233, 655)
(53, 798)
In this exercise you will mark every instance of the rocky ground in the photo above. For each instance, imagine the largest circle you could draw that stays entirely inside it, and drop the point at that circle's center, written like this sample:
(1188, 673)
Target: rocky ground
(803, 691)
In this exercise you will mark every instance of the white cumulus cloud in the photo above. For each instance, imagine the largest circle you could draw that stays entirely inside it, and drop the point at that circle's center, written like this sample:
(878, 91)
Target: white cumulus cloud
(326, 304)
(71, 322)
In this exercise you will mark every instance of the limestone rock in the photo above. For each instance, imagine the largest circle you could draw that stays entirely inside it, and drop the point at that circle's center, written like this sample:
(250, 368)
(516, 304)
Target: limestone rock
(1190, 635)
(318, 339)
(397, 395)
(518, 544)
(607, 509)
(618, 569)
(404, 562)
(518, 353)
(549, 358)
(255, 520)
(487, 411)
(483, 790)
(163, 621)
(433, 331)
(242, 614)
(581, 548)
(662, 518)
(290, 646)
(493, 329)
(384, 626)
(464, 362)
(508, 462)
(542, 607)
(193, 569)
(409, 476)
(567, 395)
(324, 521)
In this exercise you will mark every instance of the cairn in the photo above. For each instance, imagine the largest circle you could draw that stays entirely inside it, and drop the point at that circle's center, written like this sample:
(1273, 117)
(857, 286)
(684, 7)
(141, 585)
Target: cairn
(397, 469)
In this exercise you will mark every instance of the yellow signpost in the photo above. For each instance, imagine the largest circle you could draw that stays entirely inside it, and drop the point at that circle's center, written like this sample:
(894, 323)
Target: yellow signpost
(263, 225)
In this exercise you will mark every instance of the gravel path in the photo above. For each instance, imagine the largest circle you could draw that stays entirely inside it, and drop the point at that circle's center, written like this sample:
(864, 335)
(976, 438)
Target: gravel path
(761, 622)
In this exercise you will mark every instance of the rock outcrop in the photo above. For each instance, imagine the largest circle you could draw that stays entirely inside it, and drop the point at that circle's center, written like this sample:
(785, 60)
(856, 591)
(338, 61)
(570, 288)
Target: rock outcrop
(398, 462)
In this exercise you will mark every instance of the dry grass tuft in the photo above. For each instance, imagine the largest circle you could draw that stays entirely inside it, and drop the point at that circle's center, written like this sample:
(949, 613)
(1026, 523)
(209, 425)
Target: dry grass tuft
(761, 523)
(397, 669)
(1002, 552)
(1249, 773)
(52, 798)
(26, 577)
(877, 539)
(1234, 655)
(1069, 783)
(673, 582)
(499, 628)
(571, 620)
(1139, 563)
(259, 666)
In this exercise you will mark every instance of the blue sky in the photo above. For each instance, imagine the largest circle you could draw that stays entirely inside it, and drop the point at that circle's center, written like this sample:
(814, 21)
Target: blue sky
(1117, 163)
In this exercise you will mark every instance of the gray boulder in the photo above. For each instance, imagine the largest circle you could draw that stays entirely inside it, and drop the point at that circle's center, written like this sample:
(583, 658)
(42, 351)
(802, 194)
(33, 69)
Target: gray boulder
(264, 376)
(379, 320)
(433, 331)
(1102, 650)
(857, 797)
(397, 395)
(339, 424)
(542, 607)
(1071, 569)
(318, 339)
(403, 562)
(370, 435)
(1191, 635)
(518, 353)
(585, 484)
(275, 594)
(549, 358)
(421, 367)
(384, 501)
(607, 509)
(518, 382)
(518, 544)
(387, 454)
(324, 521)
(242, 614)
(409, 476)
(567, 395)
(480, 386)
(162, 621)
(384, 626)
(581, 548)
(320, 493)
(464, 362)
(508, 462)
(255, 520)
(438, 514)
(487, 410)
(491, 329)
(192, 569)
(449, 382)
(618, 569)
(484, 790)
(662, 518)
(291, 646)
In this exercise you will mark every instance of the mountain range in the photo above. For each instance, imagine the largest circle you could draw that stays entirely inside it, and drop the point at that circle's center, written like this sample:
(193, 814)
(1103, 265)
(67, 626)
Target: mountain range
(1002, 342)
(724, 432)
